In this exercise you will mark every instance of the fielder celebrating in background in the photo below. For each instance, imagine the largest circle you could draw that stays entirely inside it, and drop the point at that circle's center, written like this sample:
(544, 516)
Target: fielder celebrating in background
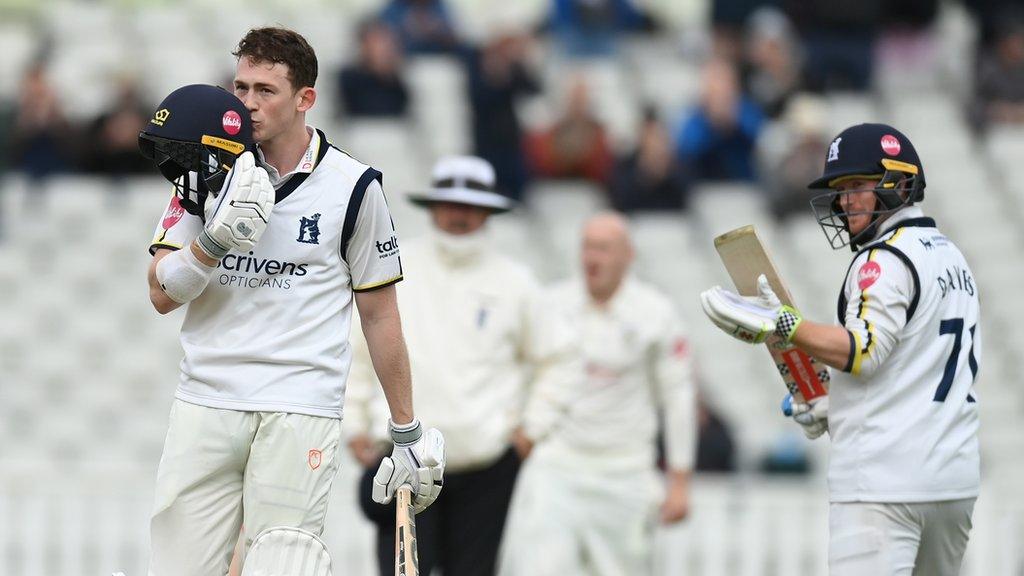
(903, 418)
(269, 257)
(589, 497)
(478, 341)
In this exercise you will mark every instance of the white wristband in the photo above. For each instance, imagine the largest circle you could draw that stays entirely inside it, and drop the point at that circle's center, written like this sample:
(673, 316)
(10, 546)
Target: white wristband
(182, 276)
(405, 434)
(211, 247)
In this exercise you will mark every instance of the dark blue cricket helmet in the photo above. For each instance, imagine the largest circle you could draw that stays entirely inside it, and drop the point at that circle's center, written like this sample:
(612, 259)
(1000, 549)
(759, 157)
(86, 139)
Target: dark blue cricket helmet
(867, 151)
(200, 129)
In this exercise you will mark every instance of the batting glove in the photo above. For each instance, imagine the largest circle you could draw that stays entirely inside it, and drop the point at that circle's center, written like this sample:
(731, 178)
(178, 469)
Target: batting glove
(238, 215)
(417, 460)
(750, 318)
(812, 416)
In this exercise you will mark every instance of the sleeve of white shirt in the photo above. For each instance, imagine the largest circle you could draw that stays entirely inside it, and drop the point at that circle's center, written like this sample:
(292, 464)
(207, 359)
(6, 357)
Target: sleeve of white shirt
(879, 289)
(176, 227)
(372, 254)
(553, 350)
(672, 371)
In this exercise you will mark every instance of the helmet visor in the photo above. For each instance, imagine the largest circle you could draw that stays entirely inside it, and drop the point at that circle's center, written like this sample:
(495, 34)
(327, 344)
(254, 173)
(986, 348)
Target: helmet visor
(892, 192)
(175, 159)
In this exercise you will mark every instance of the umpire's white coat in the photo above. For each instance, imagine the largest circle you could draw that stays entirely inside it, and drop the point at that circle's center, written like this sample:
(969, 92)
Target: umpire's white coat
(477, 337)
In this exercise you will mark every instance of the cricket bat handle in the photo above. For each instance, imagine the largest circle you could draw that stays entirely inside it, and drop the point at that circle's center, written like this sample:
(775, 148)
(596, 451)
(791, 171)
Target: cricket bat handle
(406, 559)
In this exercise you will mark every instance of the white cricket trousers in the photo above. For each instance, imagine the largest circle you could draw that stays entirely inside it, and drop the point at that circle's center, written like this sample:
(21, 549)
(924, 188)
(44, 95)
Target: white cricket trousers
(571, 521)
(888, 539)
(221, 468)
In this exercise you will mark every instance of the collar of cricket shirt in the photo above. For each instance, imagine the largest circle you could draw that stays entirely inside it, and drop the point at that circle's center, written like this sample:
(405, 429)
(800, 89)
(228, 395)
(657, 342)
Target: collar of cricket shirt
(315, 152)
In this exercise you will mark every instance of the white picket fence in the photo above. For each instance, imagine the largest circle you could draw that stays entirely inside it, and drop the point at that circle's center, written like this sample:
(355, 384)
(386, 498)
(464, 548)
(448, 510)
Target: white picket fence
(745, 526)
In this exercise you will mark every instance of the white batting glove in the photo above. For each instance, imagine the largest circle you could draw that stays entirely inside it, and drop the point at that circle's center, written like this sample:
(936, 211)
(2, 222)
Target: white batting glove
(812, 416)
(417, 460)
(238, 215)
(750, 318)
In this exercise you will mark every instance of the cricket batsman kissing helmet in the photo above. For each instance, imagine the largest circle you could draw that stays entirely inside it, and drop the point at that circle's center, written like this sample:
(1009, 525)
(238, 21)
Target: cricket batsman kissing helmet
(198, 129)
(867, 151)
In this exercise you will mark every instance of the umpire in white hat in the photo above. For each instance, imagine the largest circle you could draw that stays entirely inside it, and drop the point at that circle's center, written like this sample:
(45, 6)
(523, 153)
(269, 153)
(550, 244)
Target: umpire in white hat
(473, 323)
(465, 181)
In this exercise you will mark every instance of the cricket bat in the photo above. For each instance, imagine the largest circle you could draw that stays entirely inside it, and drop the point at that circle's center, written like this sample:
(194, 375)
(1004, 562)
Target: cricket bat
(406, 560)
(745, 258)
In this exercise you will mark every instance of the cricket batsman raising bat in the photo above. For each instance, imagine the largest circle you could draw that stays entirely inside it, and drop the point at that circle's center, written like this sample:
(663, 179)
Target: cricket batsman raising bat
(749, 265)
(765, 313)
(901, 412)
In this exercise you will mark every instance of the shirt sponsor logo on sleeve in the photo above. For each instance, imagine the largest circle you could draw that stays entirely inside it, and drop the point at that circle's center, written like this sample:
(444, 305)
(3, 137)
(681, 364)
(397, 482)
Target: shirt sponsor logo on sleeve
(173, 214)
(389, 248)
(868, 274)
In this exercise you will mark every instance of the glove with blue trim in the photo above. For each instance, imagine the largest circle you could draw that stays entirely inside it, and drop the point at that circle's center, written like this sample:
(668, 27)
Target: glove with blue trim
(812, 416)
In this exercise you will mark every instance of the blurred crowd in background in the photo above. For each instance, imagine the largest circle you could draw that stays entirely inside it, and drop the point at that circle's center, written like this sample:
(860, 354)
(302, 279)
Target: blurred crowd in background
(653, 105)
(759, 115)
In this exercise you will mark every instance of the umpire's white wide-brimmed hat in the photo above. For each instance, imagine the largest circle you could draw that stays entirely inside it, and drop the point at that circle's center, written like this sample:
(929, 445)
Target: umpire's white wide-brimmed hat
(463, 180)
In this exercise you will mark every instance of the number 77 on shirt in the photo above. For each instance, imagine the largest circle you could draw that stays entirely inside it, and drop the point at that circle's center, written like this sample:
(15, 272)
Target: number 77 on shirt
(745, 258)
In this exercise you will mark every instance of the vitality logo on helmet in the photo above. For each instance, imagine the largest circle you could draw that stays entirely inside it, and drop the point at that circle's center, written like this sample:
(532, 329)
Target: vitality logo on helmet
(231, 122)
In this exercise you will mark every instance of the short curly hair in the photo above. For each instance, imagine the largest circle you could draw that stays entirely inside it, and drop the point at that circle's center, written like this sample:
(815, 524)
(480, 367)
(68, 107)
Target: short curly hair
(281, 46)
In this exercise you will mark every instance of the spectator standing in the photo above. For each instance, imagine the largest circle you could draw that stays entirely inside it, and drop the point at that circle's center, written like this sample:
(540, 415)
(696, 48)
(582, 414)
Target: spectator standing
(591, 27)
(498, 77)
(716, 141)
(113, 136)
(423, 26)
(772, 63)
(789, 154)
(999, 89)
(41, 135)
(576, 145)
(839, 39)
(373, 85)
(649, 178)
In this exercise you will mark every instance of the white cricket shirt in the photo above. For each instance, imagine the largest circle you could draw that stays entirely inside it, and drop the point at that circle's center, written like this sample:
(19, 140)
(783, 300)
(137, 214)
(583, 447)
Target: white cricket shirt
(271, 330)
(903, 417)
(637, 373)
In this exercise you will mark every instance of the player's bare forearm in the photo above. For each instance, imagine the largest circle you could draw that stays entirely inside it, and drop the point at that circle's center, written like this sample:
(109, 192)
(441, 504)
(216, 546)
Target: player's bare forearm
(826, 342)
(382, 327)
